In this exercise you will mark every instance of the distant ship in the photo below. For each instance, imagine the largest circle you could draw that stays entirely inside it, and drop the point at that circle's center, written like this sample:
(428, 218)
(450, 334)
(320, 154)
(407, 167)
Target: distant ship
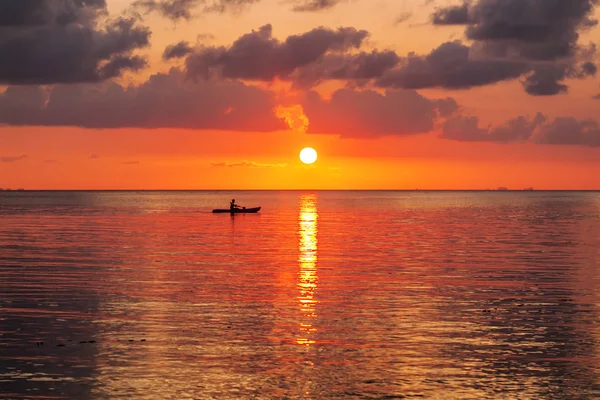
(502, 189)
(530, 189)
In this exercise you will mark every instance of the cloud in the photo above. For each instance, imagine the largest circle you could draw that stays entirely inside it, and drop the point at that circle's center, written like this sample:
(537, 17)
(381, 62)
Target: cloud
(596, 97)
(165, 100)
(323, 54)
(539, 37)
(451, 65)
(259, 56)
(357, 69)
(50, 161)
(405, 16)
(363, 114)
(177, 10)
(57, 41)
(93, 156)
(7, 159)
(453, 15)
(172, 9)
(293, 116)
(539, 129)
(130, 162)
(570, 131)
(184, 9)
(314, 5)
(250, 164)
(222, 6)
(177, 50)
(466, 129)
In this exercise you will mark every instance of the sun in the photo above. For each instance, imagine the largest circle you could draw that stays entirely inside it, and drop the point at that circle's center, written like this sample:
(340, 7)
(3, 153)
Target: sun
(308, 155)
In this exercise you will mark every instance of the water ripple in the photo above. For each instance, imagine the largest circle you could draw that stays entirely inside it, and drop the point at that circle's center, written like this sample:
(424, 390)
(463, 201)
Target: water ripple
(325, 295)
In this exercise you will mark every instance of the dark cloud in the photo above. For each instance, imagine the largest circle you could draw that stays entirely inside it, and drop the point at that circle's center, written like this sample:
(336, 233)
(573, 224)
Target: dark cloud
(358, 68)
(7, 159)
(452, 65)
(323, 54)
(314, 5)
(453, 15)
(596, 97)
(362, 114)
(24, 13)
(172, 9)
(259, 56)
(540, 35)
(94, 156)
(58, 41)
(177, 50)
(539, 129)
(548, 23)
(466, 129)
(165, 100)
(546, 79)
(570, 131)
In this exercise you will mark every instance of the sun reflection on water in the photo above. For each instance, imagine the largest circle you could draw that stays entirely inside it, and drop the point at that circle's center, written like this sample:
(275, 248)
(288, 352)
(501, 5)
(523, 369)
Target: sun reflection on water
(307, 259)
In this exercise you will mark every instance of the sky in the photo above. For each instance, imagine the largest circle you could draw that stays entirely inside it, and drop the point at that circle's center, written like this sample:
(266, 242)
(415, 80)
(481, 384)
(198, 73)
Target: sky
(223, 94)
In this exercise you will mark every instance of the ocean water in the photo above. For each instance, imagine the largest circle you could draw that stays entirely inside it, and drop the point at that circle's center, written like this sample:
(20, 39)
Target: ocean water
(322, 295)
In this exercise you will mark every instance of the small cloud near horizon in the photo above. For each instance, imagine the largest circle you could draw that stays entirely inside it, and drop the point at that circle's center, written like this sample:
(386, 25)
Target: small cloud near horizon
(251, 164)
(94, 156)
(7, 159)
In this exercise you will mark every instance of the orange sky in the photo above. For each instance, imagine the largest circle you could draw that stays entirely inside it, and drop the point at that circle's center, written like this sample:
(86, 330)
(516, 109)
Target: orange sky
(71, 157)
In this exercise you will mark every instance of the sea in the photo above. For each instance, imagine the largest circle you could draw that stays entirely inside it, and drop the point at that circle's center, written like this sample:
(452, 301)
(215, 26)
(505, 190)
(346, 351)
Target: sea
(321, 295)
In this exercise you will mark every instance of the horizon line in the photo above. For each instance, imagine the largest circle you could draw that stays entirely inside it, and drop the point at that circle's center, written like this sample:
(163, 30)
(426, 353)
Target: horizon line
(20, 190)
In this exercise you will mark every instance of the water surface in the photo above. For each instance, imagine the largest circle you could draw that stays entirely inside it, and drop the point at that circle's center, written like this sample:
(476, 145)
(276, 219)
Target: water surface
(438, 295)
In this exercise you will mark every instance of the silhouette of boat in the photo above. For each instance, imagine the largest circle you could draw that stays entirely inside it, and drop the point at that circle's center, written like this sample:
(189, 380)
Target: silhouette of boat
(237, 210)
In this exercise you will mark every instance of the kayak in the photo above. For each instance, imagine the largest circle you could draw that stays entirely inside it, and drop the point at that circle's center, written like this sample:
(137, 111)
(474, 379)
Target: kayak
(237, 210)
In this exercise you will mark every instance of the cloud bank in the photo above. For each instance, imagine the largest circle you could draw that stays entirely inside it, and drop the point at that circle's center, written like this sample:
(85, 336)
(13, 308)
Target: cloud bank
(171, 101)
(540, 38)
(539, 129)
(534, 41)
(164, 101)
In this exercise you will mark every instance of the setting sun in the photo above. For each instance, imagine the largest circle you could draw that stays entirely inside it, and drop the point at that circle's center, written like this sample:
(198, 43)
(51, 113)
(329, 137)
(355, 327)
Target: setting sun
(308, 155)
